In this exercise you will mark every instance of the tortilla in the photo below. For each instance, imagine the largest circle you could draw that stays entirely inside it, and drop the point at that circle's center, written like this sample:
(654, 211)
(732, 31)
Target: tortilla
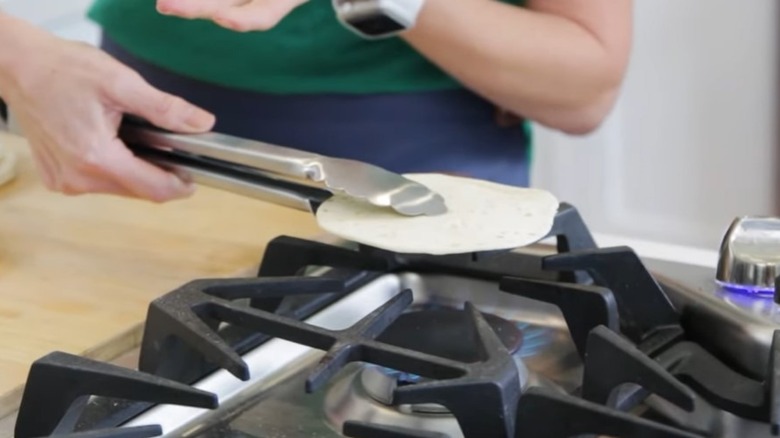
(7, 164)
(481, 216)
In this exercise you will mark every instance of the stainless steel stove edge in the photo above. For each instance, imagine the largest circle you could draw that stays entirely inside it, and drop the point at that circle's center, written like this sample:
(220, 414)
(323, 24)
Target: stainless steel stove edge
(276, 359)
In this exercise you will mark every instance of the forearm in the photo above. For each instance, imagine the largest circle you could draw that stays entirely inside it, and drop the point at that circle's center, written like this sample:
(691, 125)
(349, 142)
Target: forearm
(542, 66)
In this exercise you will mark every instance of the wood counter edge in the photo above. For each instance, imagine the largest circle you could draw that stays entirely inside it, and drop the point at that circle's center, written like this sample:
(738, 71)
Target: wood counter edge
(108, 351)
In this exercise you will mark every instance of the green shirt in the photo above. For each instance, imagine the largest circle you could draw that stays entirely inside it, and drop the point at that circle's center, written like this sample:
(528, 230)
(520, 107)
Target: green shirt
(308, 52)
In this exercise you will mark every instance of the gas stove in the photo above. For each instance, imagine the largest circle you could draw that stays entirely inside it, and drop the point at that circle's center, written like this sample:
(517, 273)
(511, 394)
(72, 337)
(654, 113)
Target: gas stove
(343, 340)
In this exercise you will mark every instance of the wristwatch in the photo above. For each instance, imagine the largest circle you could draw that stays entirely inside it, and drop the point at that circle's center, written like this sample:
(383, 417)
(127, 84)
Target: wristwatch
(373, 19)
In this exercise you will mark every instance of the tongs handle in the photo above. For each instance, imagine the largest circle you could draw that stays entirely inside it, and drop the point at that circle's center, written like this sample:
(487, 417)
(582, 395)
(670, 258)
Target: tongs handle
(275, 164)
(232, 177)
(286, 162)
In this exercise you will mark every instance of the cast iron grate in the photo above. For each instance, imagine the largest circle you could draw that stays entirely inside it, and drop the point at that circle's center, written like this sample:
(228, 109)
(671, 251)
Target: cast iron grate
(181, 331)
(500, 410)
(60, 385)
(126, 432)
(192, 326)
(182, 342)
(654, 353)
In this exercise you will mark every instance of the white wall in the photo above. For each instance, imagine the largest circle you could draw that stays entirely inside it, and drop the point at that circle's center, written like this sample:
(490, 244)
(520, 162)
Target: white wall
(693, 141)
(64, 18)
(61, 17)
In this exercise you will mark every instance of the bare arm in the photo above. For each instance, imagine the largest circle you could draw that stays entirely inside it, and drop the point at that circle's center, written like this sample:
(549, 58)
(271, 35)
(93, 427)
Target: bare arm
(558, 62)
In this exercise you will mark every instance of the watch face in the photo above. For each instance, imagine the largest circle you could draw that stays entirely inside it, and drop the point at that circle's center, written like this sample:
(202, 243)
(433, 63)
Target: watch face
(377, 25)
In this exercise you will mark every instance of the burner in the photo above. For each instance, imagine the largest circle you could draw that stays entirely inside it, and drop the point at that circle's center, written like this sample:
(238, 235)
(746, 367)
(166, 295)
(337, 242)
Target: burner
(441, 331)
(380, 383)
(353, 398)
(367, 392)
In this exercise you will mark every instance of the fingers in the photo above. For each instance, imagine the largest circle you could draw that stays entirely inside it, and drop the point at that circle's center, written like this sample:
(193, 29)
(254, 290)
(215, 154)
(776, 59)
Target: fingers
(101, 186)
(73, 184)
(237, 15)
(71, 124)
(114, 170)
(142, 179)
(195, 8)
(255, 15)
(109, 167)
(134, 95)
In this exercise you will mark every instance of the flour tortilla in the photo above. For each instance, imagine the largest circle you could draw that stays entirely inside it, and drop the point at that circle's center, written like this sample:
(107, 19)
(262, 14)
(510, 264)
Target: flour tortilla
(7, 164)
(481, 216)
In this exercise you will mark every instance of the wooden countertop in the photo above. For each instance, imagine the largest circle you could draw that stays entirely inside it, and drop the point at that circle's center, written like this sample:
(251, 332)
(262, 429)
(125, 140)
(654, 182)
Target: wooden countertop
(77, 273)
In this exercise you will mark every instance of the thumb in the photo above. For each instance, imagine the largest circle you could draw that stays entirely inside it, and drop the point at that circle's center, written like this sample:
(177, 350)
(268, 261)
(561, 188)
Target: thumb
(162, 109)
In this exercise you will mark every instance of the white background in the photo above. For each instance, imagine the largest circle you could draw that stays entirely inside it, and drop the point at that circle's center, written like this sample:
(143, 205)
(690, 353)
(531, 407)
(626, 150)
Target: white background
(62, 17)
(692, 143)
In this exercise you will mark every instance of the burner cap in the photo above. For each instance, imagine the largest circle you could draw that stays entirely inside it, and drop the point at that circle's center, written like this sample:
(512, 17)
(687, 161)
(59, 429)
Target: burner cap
(447, 333)
(443, 332)
(348, 399)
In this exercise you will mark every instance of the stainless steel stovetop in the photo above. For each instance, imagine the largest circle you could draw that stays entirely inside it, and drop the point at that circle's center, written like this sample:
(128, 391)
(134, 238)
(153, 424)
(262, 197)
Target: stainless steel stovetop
(275, 405)
(581, 337)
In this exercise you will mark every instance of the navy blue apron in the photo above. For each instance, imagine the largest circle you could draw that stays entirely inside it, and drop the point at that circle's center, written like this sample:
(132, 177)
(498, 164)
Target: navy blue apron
(442, 131)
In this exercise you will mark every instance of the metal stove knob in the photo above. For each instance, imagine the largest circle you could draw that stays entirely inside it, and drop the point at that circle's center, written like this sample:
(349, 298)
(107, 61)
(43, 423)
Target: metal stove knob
(750, 254)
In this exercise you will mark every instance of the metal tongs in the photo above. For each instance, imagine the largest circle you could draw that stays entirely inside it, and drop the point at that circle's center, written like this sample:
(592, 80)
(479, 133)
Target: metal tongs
(281, 175)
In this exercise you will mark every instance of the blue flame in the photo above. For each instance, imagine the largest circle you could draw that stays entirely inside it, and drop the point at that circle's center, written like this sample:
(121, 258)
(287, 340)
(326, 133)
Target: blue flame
(402, 378)
(751, 291)
(535, 339)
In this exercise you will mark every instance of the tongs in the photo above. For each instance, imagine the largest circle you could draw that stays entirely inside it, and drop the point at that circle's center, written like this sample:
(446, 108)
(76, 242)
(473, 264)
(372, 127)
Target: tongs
(277, 174)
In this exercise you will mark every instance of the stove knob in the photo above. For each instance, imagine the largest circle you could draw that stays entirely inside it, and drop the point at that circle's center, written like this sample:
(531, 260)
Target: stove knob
(750, 254)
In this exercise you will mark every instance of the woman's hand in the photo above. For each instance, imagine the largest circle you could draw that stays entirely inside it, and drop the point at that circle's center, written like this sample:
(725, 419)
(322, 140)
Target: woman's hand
(69, 99)
(237, 15)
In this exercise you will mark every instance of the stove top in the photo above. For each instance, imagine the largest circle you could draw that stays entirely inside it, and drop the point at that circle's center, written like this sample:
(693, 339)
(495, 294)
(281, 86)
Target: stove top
(343, 340)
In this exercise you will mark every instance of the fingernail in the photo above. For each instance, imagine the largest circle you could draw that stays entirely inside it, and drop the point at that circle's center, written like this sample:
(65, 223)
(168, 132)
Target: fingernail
(184, 187)
(200, 120)
(164, 7)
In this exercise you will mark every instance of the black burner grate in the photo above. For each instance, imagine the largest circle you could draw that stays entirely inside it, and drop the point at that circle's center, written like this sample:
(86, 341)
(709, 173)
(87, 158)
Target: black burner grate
(502, 410)
(127, 432)
(181, 330)
(622, 323)
(59, 386)
(663, 361)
